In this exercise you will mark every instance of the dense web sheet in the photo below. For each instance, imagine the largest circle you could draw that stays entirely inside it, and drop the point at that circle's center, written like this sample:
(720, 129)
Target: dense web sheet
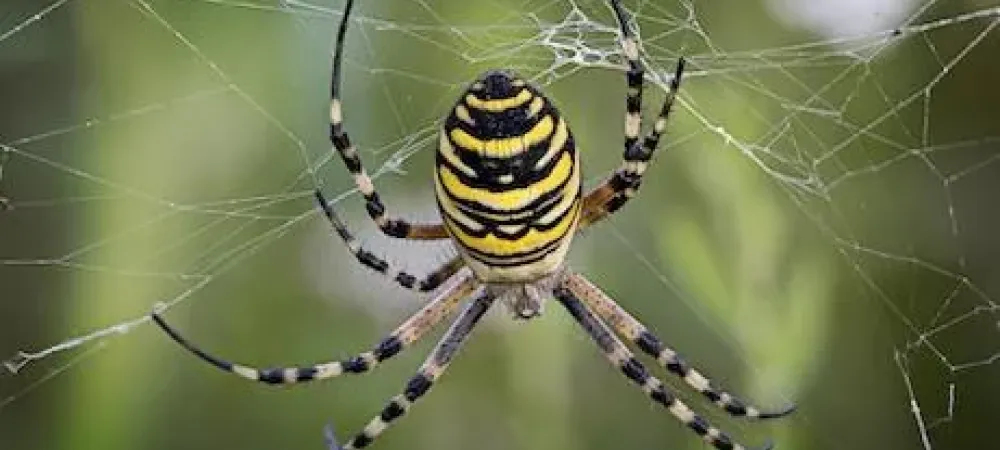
(857, 149)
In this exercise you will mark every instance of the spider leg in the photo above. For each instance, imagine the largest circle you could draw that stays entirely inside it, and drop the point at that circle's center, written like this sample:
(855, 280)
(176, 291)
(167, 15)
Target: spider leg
(389, 225)
(638, 334)
(380, 265)
(619, 355)
(634, 76)
(624, 183)
(428, 373)
(406, 334)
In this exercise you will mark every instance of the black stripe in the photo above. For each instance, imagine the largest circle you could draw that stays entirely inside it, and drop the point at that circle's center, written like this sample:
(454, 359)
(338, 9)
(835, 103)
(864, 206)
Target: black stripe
(406, 280)
(374, 205)
(634, 370)
(396, 228)
(392, 411)
(362, 440)
(677, 366)
(736, 408)
(417, 386)
(635, 152)
(305, 374)
(369, 259)
(439, 276)
(699, 425)
(652, 141)
(633, 103)
(388, 348)
(340, 140)
(355, 365)
(662, 396)
(615, 203)
(648, 343)
(271, 376)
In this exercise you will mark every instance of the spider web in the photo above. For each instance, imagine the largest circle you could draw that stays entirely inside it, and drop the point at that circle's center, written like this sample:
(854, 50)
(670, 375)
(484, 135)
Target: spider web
(842, 156)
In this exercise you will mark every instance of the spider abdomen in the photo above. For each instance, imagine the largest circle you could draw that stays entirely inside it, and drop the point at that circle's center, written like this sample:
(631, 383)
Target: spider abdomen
(507, 180)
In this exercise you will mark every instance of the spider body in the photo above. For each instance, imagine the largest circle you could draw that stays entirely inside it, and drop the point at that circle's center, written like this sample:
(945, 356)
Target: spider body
(507, 180)
(507, 184)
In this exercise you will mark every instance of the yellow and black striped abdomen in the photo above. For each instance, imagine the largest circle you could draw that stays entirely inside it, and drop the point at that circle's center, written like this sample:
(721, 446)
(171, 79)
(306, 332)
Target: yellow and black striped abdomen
(507, 180)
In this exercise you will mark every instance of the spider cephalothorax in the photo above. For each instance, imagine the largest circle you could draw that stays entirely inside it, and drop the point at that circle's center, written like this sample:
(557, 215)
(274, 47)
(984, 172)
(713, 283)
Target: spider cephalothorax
(507, 183)
(526, 300)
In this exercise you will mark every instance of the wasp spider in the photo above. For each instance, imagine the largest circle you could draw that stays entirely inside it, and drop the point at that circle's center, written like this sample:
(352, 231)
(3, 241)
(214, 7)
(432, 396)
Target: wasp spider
(507, 182)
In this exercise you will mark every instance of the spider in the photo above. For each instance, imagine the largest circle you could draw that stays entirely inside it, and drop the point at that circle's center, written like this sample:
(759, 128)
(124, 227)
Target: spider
(507, 183)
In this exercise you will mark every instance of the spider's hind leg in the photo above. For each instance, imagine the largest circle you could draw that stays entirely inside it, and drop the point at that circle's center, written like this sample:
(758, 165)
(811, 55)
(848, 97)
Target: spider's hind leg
(619, 355)
(420, 383)
(638, 334)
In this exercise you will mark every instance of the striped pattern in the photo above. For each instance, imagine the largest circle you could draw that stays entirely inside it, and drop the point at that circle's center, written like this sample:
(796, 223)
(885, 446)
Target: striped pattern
(429, 372)
(457, 289)
(624, 183)
(620, 356)
(507, 180)
(633, 330)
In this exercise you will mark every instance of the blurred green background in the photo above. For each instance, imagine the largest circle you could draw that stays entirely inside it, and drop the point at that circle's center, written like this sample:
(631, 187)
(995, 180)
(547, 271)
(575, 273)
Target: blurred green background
(819, 227)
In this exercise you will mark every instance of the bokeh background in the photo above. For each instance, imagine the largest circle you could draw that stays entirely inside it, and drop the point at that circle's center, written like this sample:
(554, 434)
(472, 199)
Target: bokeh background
(819, 227)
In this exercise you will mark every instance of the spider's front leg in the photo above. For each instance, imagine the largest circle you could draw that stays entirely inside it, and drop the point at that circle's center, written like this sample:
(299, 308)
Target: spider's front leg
(405, 335)
(389, 225)
(624, 183)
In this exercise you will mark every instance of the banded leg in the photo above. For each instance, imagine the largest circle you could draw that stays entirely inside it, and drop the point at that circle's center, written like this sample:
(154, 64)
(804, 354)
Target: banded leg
(389, 225)
(405, 335)
(633, 77)
(619, 355)
(428, 373)
(380, 265)
(624, 183)
(638, 334)
(607, 198)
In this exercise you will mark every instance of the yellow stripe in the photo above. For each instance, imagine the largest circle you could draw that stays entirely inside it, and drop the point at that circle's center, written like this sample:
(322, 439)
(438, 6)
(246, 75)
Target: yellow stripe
(500, 104)
(533, 240)
(514, 198)
(502, 148)
(556, 145)
(570, 193)
(450, 209)
(536, 106)
(448, 152)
